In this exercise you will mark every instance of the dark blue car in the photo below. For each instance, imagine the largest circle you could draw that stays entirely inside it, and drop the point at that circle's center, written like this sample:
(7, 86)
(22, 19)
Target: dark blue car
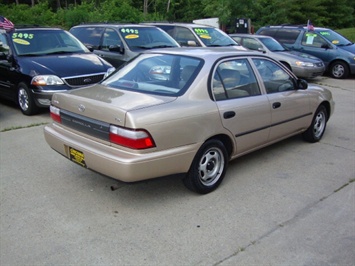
(35, 62)
(337, 52)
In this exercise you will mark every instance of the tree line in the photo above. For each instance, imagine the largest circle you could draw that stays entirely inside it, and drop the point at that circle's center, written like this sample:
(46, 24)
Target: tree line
(334, 14)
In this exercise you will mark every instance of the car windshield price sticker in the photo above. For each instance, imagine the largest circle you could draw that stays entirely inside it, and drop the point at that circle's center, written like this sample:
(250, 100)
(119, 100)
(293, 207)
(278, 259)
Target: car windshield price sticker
(22, 38)
(77, 156)
(130, 33)
(203, 33)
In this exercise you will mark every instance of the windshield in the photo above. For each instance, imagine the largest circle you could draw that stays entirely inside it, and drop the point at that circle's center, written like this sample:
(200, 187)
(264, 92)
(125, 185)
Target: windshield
(212, 37)
(334, 37)
(161, 74)
(146, 38)
(44, 42)
(272, 44)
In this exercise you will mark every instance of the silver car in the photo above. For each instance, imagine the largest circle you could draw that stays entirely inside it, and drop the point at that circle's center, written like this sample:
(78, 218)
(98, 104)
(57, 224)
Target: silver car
(301, 64)
(185, 111)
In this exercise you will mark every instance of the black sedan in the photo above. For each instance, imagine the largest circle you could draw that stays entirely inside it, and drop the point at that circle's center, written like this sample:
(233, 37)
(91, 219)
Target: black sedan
(35, 62)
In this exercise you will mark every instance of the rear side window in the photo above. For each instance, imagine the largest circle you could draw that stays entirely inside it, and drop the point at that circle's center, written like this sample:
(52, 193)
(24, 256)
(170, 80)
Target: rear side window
(88, 35)
(234, 79)
(287, 35)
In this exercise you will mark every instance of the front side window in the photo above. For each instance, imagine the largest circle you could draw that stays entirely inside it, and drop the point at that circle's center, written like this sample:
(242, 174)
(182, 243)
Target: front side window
(168, 75)
(184, 37)
(4, 47)
(110, 39)
(90, 36)
(275, 78)
(252, 44)
(312, 39)
(234, 79)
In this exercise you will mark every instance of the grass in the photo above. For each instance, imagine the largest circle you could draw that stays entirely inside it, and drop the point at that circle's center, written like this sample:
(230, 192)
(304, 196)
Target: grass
(19, 127)
(349, 33)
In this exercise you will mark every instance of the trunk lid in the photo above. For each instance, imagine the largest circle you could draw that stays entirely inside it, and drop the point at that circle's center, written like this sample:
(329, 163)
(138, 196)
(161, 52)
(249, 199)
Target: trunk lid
(106, 104)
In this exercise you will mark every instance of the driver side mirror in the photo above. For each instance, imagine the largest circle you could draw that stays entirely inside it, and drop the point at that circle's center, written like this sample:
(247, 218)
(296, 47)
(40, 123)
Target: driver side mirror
(326, 46)
(116, 48)
(302, 84)
(191, 43)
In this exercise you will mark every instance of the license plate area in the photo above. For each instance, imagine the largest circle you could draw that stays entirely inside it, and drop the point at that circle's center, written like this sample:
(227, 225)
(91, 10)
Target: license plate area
(77, 156)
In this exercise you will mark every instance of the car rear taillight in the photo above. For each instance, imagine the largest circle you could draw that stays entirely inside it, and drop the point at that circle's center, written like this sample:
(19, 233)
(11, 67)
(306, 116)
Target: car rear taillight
(134, 139)
(55, 114)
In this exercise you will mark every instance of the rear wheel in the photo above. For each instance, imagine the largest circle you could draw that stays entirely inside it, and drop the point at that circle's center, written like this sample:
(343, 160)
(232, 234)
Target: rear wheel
(208, 168)
(26, 101)
(339, 70)
(316, 130)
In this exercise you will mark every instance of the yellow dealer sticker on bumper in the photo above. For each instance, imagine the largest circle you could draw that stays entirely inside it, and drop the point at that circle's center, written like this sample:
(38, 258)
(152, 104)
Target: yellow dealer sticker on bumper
(77, 156)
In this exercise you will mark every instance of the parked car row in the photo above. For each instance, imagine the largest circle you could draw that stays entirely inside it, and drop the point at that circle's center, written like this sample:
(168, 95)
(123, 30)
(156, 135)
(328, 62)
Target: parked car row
(133, 105)
(35, 62)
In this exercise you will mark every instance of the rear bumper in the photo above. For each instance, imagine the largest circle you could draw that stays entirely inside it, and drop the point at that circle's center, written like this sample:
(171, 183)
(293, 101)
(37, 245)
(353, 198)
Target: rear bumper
(117, 163)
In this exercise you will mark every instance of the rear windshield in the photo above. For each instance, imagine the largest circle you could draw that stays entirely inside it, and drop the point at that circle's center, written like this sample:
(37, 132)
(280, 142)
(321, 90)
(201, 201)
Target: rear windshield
(160, 74)
(44, 42)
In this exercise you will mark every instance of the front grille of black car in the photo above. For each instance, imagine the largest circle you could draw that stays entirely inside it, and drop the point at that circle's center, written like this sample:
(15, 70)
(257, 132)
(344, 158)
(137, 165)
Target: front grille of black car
(77, 81)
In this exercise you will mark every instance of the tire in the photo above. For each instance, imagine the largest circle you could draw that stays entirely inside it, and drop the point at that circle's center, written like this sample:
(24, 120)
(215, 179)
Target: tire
(316, 130)
(25, 100)
(339, 70)
(208, 168)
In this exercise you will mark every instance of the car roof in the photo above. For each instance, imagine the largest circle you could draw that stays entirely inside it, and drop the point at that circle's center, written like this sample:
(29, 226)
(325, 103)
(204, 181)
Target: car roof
(293, 27)
(182, 24)
(118, 25)
(204, 52)
(249, 35)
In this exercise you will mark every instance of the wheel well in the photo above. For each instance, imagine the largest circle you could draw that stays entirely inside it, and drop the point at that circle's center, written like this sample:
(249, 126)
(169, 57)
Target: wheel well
(337, 60)
(327, 107)
(227, 142)
(286, 65)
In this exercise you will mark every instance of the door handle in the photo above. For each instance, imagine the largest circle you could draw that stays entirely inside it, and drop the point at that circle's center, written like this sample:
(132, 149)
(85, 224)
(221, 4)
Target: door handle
(228, 114)
(276, 105)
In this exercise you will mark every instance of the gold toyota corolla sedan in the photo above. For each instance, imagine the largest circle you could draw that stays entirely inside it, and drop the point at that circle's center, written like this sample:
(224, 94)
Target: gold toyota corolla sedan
(187, 111)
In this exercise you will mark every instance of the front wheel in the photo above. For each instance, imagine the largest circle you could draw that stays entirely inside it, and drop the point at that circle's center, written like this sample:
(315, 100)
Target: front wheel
(316, 130)
(26, 101)
(339, 70)
(208, 168)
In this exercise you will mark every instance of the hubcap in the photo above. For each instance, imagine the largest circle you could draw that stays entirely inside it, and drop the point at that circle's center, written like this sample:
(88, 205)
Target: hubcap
(211, 166)
(23, 99)
(319, 124)
(338, 71)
